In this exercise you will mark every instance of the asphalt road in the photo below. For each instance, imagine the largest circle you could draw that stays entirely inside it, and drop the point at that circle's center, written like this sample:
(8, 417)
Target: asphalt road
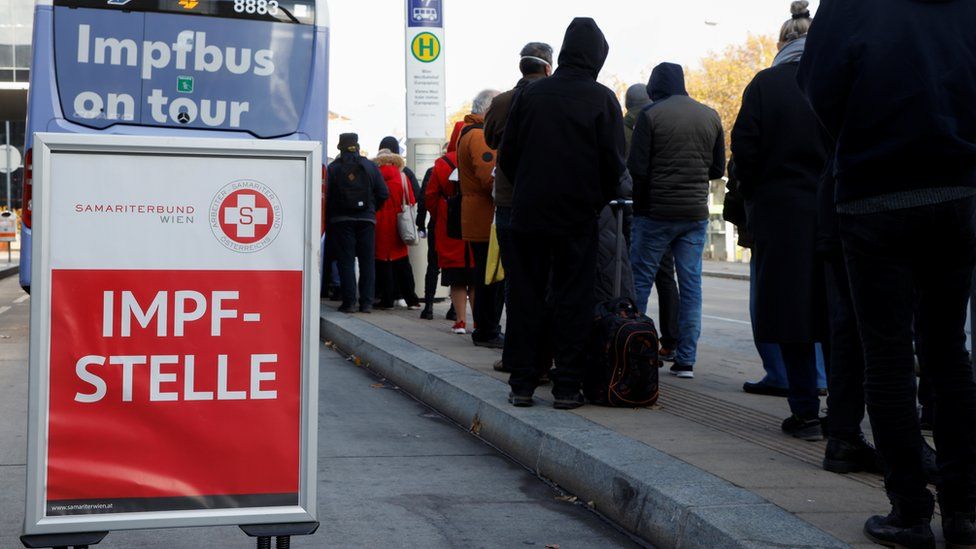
(392, 473)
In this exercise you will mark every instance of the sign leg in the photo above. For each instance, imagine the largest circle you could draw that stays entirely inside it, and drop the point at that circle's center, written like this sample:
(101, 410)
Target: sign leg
(58, 541)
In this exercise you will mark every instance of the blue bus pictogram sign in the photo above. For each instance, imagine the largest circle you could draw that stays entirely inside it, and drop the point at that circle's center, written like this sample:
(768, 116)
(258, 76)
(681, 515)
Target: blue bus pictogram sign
(425, 13)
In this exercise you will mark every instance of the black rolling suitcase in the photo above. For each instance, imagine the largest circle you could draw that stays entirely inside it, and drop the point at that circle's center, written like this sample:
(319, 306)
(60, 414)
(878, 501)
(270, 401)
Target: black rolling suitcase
(623, 362)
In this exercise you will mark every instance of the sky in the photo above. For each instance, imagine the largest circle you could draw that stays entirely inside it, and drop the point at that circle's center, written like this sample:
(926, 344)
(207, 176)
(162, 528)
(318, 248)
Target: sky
(483, 40)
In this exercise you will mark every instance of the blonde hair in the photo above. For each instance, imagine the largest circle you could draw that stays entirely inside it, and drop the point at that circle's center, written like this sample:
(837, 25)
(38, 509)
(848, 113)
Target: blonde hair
(798, 25)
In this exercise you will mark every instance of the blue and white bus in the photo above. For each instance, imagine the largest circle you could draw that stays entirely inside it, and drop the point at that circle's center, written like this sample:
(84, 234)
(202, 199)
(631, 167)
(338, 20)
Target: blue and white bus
(247, 69)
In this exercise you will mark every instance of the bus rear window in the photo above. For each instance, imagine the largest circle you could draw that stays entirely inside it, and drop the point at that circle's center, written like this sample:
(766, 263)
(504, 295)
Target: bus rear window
(300, 12)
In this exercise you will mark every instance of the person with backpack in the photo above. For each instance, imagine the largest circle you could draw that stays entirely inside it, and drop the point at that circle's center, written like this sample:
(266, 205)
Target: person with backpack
(563, 149)
(356, 190)
(894, 82)
(394, 275)
(476, 166)
(453, 254)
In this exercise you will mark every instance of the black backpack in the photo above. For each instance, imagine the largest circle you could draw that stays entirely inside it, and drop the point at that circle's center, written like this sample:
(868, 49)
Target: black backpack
(454, 229)
(622, 357)
(354, 188)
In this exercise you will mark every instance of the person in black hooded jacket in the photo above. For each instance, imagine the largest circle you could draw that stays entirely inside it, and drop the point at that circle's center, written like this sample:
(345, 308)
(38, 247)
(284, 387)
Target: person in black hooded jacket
(894, 81)
(563, 149)
(677, 149)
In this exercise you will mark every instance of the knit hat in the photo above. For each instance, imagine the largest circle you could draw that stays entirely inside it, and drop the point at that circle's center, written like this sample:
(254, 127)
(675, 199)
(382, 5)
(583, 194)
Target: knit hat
(637, 97)
(391, 144)
(349, 142)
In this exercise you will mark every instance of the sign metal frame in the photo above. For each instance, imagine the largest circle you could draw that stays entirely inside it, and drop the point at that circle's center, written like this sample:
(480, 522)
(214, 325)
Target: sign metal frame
(45, 146)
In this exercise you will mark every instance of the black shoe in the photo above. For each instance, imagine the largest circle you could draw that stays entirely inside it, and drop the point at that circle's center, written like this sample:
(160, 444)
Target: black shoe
(765, 389)
(335, 295)
(385, 306)
(569, 403)
(682, 371)
(851, 456)
(366, 310)
(500, 367)
(666, 355)
(427, 313)
(959, 530)
(451, 314)
(345, 309)
(803, 429)
(894, 531)
(497, 343)
(930, 463)
(520, 401)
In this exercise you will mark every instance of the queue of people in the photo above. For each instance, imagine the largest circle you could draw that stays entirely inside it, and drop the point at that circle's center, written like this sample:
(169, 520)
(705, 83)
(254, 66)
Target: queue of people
(853, 183)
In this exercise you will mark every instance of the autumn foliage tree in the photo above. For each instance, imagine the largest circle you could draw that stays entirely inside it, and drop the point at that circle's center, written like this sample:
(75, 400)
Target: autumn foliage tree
(723, 77)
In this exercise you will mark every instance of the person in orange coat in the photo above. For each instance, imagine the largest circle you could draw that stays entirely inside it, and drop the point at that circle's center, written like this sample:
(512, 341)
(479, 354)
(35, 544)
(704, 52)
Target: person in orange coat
(393, 270)
(476, 165)
(453, 255)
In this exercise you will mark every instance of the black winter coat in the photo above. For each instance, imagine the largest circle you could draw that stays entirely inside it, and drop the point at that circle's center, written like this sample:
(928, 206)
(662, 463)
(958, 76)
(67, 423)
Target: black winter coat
(564, 142)
(341, 167)
(780, 152)
(677, 149)
(895, 81)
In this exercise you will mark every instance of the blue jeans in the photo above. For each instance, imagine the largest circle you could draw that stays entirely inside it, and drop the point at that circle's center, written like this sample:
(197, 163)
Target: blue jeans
(651, 238)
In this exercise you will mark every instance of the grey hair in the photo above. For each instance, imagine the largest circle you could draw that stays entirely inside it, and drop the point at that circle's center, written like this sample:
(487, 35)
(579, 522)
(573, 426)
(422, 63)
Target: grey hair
(482, 101)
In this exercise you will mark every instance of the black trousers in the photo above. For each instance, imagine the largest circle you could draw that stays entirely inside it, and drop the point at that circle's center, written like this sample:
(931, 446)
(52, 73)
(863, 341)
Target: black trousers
(356, 240)
(893, 258)
(569, 262)
(433, 270)
(394, 280)
(845, 401)
(668, 301)
(489, 300)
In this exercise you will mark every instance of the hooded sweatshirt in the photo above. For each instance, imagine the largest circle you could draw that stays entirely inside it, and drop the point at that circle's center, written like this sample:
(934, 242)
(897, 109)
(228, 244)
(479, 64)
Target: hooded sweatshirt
(564, 141)
(678, 147)
(894, 81)
(637, 101)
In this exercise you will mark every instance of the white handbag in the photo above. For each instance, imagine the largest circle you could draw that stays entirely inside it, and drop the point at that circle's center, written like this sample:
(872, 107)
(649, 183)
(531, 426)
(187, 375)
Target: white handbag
(407, 218)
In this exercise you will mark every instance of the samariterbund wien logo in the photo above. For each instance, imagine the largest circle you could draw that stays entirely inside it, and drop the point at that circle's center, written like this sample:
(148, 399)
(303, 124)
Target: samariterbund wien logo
(246, 216)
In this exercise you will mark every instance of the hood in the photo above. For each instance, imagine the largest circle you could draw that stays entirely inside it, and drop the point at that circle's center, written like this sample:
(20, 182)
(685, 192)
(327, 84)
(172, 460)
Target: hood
(452, 145)
(637, 97)
(474, 119)
(585, 47)
(526, 80)
(667, 79)
(391, 144)
(389, 158)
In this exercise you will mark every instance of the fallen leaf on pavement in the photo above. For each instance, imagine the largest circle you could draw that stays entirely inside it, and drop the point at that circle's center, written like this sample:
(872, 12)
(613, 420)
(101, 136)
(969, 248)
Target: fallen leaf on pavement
(569, 499)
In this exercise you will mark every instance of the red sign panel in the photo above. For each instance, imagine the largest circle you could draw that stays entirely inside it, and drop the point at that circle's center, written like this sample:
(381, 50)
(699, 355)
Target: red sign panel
(174, 390)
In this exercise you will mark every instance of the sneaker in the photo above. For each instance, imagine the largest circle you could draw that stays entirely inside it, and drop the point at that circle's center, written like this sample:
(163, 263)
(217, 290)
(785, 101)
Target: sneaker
(366, 310)
(427, 314)
(497, 343)
(959, 530)
(764, 389)
(682, 371)
(459, 328)
(851, 456)
(569, 402)
(894, 531)
(666, 355)
(804, 429)
(520, 401)
(402, 303)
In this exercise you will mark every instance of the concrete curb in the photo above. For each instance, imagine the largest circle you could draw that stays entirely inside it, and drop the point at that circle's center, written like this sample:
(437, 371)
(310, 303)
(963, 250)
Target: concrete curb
(725, 275)
(650, 494)
(9, 271)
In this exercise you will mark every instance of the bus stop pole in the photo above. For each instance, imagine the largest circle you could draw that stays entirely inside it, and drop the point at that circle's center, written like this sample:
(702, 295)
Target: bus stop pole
(10, 204)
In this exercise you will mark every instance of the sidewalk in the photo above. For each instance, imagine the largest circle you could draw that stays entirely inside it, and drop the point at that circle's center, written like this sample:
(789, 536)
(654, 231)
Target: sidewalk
(724, 269)
(725, 445)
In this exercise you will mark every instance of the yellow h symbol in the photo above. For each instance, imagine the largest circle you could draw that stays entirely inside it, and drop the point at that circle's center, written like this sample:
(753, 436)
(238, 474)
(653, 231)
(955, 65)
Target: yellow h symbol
(426, 47)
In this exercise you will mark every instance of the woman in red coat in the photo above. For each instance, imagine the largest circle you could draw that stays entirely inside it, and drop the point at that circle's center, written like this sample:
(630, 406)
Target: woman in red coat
(394, 276)
(453, 255)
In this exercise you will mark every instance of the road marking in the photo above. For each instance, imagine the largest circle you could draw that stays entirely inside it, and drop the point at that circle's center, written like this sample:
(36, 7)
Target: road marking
(723, 319)
(21, 299)
(4, 309)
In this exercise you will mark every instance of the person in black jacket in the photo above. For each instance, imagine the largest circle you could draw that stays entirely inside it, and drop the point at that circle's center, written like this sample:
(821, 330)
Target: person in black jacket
(894, 81)
(353, 220)
(563, 149)
(780, 152)
(677, 149)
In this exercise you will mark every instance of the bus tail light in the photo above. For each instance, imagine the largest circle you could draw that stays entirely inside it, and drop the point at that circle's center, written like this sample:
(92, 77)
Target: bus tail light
(28, 194)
